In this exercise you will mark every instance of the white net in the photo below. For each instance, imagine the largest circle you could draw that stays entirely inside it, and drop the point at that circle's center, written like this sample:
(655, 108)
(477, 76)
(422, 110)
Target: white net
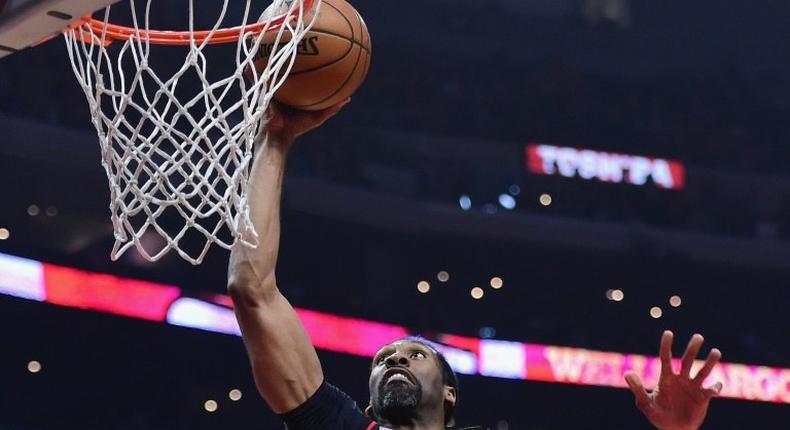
(177, 145)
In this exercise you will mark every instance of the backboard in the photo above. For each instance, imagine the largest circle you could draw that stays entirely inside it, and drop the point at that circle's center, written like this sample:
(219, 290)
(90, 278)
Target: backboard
(25, 23)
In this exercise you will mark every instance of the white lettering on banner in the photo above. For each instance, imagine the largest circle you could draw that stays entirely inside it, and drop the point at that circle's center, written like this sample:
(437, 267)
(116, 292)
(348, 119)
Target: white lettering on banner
(588, 164)
(566, 363)
(579, 366)
(617, 168)
(662, 175)
(610, 168)
(754, 383)
(567, 162)
(639, 170)
(548, 155)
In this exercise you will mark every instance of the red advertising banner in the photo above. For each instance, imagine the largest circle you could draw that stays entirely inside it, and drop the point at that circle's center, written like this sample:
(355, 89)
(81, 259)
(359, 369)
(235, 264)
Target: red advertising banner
(32, 280)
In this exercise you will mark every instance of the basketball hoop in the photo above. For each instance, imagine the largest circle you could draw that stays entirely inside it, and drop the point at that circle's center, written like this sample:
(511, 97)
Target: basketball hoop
(178, 155)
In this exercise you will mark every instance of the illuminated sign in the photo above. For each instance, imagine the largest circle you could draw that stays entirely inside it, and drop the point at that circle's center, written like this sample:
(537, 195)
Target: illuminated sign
(605, 166)
(32, 280)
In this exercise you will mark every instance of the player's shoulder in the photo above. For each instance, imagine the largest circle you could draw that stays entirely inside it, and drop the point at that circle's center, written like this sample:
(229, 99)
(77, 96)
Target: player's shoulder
(329, 409)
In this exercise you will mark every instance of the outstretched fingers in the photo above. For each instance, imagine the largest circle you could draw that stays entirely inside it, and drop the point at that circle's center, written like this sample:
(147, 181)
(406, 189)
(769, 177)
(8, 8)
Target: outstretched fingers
(665, 353)
(641, 396)
(690, 355)
(713, 359)
(320, 117)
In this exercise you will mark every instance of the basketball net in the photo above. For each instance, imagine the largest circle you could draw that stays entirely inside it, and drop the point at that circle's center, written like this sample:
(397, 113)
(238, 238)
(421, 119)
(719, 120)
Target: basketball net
(174, 159)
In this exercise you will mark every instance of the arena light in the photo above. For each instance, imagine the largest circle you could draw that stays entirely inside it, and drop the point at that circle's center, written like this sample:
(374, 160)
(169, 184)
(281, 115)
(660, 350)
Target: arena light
(507, 201)
(487, 332)
(605, 166)
(465, 202)
(32, 280)
(210, 406)
(34, 366)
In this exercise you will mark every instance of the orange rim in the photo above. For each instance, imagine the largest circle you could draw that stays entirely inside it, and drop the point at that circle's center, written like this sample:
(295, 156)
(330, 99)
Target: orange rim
(115, 32)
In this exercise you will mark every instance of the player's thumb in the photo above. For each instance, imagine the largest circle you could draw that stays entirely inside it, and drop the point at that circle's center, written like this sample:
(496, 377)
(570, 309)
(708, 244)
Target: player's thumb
(321, 116)
(635, 384)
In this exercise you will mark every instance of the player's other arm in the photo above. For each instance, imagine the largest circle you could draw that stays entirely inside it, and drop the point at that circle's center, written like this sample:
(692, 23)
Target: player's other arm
(284, 362)
(680, 401)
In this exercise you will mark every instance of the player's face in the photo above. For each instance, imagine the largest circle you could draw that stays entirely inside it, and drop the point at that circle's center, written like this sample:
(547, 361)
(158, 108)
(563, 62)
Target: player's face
(405, 382)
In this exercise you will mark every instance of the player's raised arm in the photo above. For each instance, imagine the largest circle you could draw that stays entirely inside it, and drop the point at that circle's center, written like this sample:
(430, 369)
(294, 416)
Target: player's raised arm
(284, 362)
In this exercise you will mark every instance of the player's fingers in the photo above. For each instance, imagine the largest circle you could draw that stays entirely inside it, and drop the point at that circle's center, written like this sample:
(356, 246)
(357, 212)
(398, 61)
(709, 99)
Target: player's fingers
(714, 390)
(713, 359)
(690, 355)
(665, 352)
(304, 121)
(310, 120)
(635, 384)
(322, 116)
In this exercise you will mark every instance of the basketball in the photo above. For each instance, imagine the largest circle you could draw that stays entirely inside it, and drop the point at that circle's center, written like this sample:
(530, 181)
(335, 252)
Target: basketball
(331, 62)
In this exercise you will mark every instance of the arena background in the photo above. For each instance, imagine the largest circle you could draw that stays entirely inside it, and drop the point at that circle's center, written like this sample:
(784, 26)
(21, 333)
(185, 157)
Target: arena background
(429, 170)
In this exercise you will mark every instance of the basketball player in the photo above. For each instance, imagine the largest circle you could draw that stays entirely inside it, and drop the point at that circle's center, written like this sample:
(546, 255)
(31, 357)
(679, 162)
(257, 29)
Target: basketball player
(411, 385)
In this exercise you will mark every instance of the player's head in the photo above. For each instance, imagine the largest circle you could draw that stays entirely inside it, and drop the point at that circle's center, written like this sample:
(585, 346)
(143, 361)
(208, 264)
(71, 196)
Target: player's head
(411, 379)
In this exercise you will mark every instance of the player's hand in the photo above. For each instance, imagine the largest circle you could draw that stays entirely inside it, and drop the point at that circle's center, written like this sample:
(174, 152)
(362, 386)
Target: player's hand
(285, 124)
(679, 402)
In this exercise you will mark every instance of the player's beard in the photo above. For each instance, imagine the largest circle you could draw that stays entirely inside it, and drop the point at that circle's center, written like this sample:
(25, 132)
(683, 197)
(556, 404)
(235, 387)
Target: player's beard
(397, 402)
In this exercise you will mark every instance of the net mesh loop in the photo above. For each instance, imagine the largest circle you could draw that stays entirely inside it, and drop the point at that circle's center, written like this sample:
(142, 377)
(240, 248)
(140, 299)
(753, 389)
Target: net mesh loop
(178, 156)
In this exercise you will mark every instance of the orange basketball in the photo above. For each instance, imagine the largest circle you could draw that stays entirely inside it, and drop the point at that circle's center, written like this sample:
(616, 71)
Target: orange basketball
(331, 62)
